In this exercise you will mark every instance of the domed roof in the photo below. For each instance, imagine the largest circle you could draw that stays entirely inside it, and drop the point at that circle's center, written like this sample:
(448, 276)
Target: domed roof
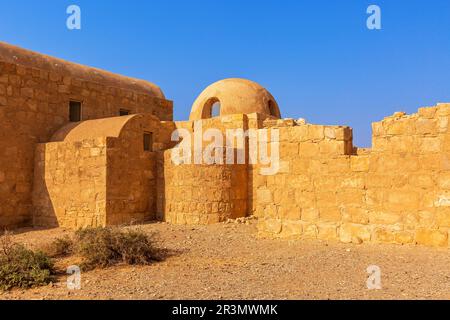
(27, 58)
(235, 96)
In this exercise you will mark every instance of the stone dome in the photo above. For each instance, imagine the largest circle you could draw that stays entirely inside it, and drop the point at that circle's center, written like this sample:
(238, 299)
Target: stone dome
(235, 96)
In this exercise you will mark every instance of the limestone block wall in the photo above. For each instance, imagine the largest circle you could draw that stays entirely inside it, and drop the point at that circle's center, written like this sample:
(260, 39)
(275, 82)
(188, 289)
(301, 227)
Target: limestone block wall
(201, 194)
(35, 92)
(70, 184)
(396, 192)
(109, 179)
(131, 173)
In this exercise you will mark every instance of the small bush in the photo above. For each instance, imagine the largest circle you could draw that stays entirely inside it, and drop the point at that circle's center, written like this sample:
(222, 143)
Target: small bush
(104, 247)
(21, 267)
(61, 247)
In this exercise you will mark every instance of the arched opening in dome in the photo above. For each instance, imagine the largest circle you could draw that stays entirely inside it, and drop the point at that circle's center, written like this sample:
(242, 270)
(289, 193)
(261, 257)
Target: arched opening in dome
(273, 109)
(215, 110)
(211, 108)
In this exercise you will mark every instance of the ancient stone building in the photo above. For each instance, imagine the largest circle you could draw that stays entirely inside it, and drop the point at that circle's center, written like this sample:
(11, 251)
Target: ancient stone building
(41, 94)
(83, 147)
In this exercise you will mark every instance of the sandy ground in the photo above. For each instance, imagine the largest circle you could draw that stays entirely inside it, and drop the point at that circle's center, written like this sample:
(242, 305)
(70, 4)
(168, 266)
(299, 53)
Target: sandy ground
(228, 261)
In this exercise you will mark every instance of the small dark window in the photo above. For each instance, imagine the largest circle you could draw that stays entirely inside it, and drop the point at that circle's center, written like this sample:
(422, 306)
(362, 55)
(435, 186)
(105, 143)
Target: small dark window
(124, 112)
(75, 111)
(148, 141)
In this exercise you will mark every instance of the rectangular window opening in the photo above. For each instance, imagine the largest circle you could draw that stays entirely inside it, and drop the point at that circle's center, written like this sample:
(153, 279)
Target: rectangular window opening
(148, 141)
(124, 112)
(75, 111)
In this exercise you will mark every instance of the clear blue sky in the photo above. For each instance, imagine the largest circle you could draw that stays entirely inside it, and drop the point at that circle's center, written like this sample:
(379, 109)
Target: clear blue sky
(316, 56)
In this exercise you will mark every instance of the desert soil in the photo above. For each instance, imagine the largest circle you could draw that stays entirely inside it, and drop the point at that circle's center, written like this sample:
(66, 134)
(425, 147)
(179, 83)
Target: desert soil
(229, 261)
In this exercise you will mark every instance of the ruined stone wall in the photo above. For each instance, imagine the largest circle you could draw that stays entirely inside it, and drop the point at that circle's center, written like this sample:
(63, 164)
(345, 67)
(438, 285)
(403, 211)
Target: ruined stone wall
(397, 192)
(34, 103)
(70, 184)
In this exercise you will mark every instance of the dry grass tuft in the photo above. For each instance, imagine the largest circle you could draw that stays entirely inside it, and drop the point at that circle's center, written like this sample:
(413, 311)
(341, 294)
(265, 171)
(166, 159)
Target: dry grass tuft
(105, 247)
(21, 267)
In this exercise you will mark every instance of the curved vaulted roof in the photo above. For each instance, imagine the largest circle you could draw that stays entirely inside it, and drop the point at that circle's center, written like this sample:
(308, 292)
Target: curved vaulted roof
(27, 58)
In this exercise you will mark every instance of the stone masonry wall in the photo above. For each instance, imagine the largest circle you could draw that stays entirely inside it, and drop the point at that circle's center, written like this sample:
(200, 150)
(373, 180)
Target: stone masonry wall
(203, 194)
(34, 103)
(104, 181)
(131, 172)
(397, 192)
(70, 184)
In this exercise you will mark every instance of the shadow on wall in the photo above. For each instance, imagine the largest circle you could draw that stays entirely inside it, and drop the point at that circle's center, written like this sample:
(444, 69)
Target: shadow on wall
(44, 214)
(160, 187)
(70, 184)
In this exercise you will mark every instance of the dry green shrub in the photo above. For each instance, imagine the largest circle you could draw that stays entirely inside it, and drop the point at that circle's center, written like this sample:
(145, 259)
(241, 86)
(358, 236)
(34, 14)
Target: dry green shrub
(21, 267)
(104, 247)
(60, 247)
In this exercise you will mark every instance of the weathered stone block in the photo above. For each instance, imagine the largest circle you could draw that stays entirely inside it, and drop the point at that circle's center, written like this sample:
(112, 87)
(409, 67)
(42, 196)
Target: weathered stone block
(404, 237)
(344, 133)
(332, 147)
(273, 226)
(384, 235)
(347, 232)
(330, 133)
(396, 127)
(264, 196)
(360, 163)
(427, 112)
(444, 181)
(426, 126)
(401, 200)
(327, 231)
(434, 238)
(330, 214)
(430, 144)
(422, 180)
(309, 149)
(310, 231)
(316, 132)
(386, 218)
(291, 228)
(310, 214)
(443, 217)
(299, 134)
